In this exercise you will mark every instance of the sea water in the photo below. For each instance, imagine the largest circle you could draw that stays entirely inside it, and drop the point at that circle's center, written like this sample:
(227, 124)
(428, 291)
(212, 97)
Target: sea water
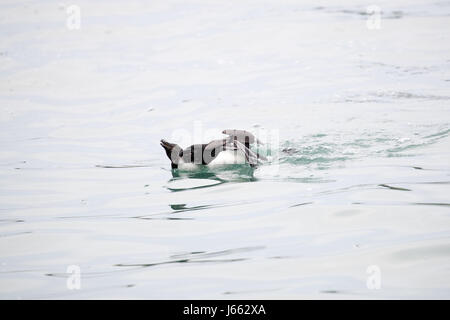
(352, 203)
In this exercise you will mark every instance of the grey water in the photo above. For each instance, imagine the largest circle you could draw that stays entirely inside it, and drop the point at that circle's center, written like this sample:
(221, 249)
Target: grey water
(353, 202)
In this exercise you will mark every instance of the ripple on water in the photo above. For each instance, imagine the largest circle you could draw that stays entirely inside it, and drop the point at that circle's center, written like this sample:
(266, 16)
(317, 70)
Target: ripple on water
(437, 251)
(190, 184)
(199, 257)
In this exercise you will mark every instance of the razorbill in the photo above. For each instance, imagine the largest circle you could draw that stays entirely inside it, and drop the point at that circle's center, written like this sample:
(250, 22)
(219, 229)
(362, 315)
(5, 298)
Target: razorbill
(235, 149)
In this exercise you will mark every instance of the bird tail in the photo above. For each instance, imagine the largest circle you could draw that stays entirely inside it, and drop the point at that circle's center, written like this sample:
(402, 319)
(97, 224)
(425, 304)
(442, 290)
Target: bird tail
(173, 152)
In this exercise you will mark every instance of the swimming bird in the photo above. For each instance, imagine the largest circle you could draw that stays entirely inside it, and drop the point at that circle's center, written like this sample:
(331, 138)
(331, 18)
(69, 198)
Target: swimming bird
(235, 149)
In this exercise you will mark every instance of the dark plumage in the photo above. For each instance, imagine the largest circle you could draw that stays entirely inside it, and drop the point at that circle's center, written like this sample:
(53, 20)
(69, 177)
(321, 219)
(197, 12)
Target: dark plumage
(238, 141)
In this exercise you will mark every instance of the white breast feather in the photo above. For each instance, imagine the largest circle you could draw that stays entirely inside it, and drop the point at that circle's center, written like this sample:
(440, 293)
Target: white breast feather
(187, 165)
(228, 157)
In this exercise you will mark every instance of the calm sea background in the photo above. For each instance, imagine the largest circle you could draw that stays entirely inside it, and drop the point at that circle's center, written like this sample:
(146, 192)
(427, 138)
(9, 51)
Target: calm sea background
(354, 202)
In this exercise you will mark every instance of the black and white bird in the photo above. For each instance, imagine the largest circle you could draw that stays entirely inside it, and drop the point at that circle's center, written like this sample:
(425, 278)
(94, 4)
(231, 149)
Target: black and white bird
(235, 149)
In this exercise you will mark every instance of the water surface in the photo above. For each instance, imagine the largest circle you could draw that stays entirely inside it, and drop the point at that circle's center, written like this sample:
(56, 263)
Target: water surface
(363, 123)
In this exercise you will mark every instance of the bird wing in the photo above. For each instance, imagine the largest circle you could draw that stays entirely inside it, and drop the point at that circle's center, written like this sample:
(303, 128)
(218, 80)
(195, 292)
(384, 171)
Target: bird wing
(212, 150)
(250, 156)
(242, 136)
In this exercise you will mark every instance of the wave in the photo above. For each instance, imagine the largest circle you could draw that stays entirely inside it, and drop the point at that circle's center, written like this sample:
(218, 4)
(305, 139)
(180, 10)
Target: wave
(322, 150)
